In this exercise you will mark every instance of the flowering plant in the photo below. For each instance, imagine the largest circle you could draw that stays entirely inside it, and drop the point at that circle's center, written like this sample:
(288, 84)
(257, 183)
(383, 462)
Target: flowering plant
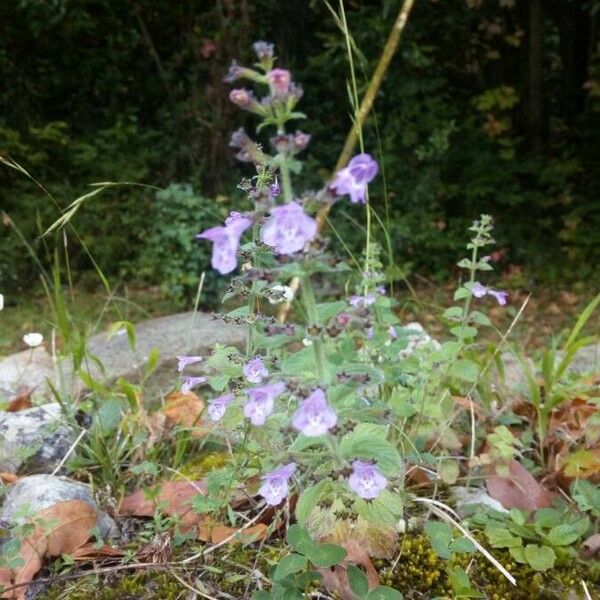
(332, 406)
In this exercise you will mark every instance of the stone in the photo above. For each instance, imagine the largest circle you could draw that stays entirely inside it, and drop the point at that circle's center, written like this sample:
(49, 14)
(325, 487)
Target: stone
(417, 338)
(36, 438)
(26, 371)
(30, 495)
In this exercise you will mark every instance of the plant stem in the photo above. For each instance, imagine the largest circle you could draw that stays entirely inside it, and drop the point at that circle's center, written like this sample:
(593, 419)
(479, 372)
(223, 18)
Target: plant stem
(310, 304)
(470, 296)
(286, 182)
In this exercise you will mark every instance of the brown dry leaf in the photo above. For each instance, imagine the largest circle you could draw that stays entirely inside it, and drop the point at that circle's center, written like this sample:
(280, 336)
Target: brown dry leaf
(360, 542)
(591, 547)
(518, 490)
(176, 496)
(8, 477)
(584, 464)
(217, 532)
(20, 402)
(88, 551)
(185, 409)
(59, 529)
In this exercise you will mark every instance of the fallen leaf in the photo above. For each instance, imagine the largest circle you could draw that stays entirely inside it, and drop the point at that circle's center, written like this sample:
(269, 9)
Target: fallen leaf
(185, 409)
(20, 402)
(88, 551)
(59, 529)
(518, 490)
(8, 477)
(217, 532)
(174, 498)
(583, 464)
(591, 547)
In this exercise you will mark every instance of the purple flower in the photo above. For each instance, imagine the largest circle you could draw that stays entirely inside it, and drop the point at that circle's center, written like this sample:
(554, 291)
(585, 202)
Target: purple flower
(262, 399)
(501, 297)
(255, 371)
(369, 332)
(361, 301)
(274, 189)
(366, 480)
(245, 99)
(301, 140)
(354, 178)
(275, 484)
(478, 290)
(226, 241)
(263, 50)
(381, 289)
(392, 331)
(216, 408)
(288, 229)
(191, 382)
(184, 361)
(314, 416)
(234, 73)
(280, 80)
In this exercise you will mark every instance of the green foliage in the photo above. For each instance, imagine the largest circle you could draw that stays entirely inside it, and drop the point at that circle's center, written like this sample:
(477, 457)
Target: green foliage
(171, 255)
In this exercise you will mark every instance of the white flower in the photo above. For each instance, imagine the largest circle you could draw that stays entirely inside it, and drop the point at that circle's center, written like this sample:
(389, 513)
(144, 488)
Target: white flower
(1, 301)
(33, 339)
(281, 293)
(306, 342)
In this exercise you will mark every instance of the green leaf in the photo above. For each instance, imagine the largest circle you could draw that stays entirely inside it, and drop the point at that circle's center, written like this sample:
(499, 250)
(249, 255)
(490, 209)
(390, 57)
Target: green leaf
(260, 595)
(466, 370)
(300, 364)
(359, 582)
(501, 537)
(328, 310)
(587, 496)
(152, 362)
(453, 313)
(567, 533)
(326, 555)
(461, 293)
(479, 318)
(466, 332)
(383, 592)
(462, 544)
(540, 558)
(300, 540)
(518, 553)
(289, 565)
(368, 441)
(386, 509)
(218, 382)
(440, 536)
(448, 471)
(129, 328)
(308, 500)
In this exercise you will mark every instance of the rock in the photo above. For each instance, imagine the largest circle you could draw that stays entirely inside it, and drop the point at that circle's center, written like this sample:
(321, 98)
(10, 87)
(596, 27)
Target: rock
(30, 495)
(417, 338)
(184, 333)
(586, 360)
(36, 437)
(469, 499)
(25, 371)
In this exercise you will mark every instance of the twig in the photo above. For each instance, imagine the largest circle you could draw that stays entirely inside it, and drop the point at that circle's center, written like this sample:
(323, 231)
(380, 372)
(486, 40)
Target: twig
(210, 549)
(366, 105)
(69, 452)
(441, 510)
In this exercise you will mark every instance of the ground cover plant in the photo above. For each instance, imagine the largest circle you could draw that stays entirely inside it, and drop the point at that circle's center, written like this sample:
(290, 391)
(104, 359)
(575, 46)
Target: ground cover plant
(332, 455)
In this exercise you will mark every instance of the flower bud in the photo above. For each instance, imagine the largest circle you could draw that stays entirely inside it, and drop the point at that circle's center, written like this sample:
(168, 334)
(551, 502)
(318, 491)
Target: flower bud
(279, 80)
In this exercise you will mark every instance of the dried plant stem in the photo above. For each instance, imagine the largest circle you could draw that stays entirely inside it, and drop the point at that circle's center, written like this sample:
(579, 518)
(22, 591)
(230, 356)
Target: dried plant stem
(366, 105)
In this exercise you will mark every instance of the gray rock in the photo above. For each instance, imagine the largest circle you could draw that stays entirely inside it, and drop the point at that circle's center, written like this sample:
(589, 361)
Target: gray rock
(26, 371)
(417, 338)
(184, 333)
(30, 495)
(36, 437)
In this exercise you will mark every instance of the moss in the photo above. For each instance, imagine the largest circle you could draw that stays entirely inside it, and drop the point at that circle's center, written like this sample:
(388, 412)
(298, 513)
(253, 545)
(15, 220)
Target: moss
(416, 571)
(205, 463)
(419, 573)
